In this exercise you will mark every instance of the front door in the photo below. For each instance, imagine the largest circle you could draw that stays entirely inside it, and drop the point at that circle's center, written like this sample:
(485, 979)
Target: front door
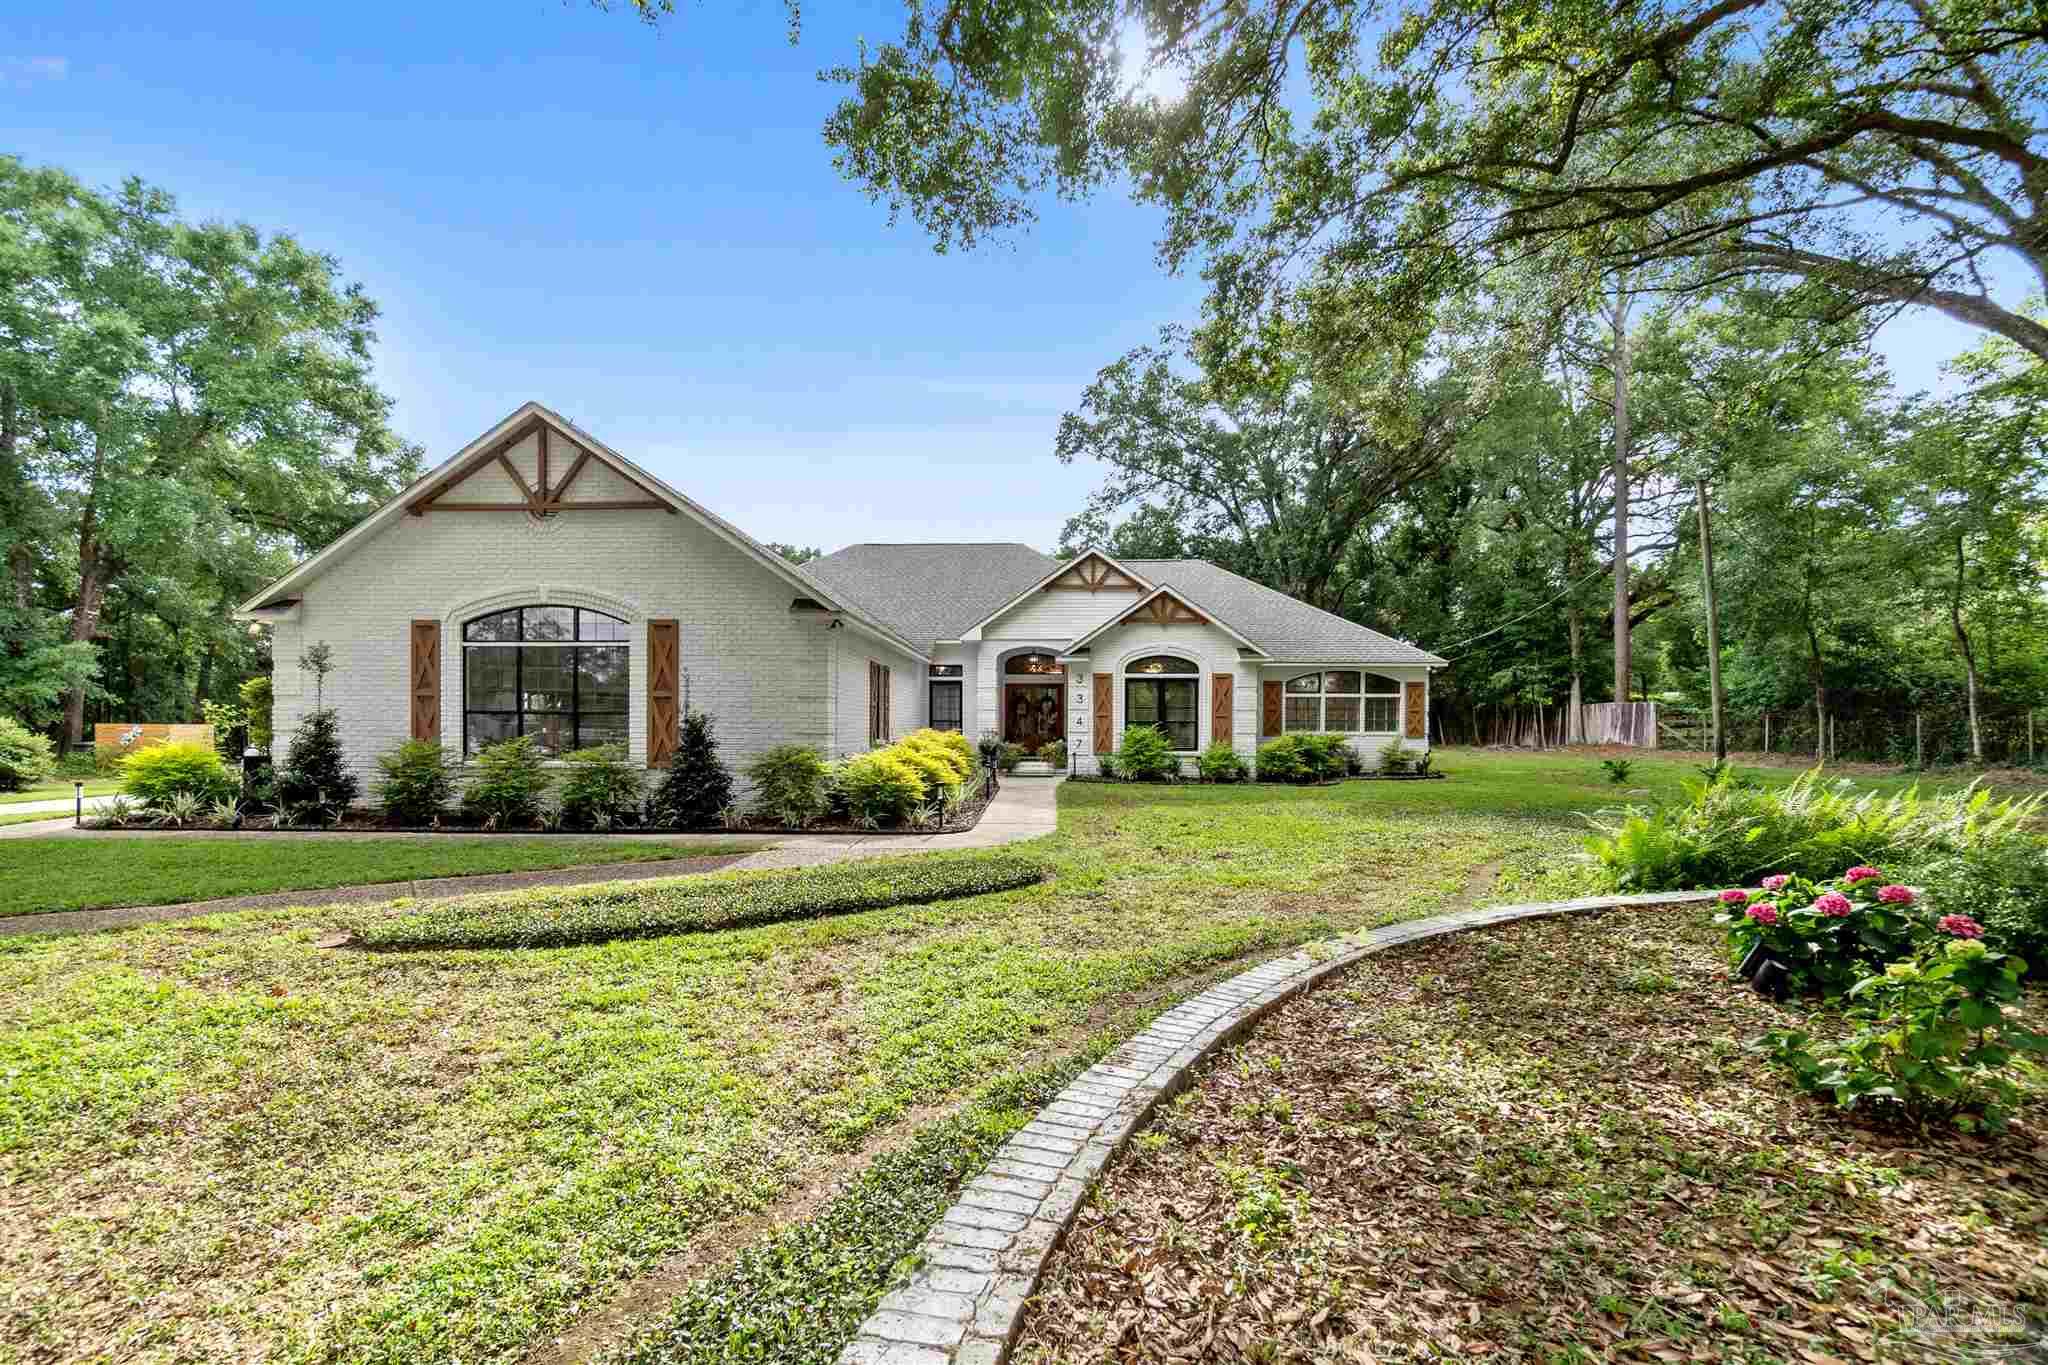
(1032, 714)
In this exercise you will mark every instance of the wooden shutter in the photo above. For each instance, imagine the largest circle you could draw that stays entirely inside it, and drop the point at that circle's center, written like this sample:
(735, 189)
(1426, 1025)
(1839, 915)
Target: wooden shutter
(887, 704)
(1418, 717)
(664, 715)
(878, 703)
(426, 680)
(1269, 709)
(1222, 693)
(1105, 712)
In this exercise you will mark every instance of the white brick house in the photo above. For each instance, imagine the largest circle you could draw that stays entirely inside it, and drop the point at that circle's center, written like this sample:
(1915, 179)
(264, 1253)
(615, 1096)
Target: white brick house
(540, 583)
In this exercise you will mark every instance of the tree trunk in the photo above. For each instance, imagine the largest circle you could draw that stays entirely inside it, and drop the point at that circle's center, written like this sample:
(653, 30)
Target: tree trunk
(1622, 660)
(85, 608)
(1955, 618)
(1820, 693)
(1713, 624)
(1575, 718)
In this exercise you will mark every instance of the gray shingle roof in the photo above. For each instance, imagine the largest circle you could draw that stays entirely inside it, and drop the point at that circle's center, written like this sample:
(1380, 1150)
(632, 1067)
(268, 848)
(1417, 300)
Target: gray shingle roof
(930, 592)
(937, 592)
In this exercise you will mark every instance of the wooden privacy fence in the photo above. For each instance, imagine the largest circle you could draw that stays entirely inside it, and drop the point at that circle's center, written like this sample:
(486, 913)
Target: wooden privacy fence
(1633, 723)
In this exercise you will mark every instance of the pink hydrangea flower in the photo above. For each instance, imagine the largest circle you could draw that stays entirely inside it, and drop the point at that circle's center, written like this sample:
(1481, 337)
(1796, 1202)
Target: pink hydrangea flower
(1763, 912)
(1896, 895)
(1733, 897)
(1962, 926)
(1860, 873)
(1833, 904)
(1777, 881)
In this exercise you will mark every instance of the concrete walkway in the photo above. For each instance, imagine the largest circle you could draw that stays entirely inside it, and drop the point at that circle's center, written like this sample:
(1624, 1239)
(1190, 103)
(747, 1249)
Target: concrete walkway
(1023, 809)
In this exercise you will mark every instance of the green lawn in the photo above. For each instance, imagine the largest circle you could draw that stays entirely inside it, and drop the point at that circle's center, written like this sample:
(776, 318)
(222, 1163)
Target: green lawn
(34, 817)
(65, 873)
(60, 789)
(437, 1156)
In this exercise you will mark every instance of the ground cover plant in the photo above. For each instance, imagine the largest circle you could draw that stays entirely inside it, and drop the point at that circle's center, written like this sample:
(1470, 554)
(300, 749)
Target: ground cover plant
(1542, 1142)
(59, 872)
(548, 919)
(457, 1154)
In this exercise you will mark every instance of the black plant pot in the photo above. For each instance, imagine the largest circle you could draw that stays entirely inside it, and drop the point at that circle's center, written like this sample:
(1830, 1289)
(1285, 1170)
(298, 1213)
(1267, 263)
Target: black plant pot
(1751, 960)
(1773, 979)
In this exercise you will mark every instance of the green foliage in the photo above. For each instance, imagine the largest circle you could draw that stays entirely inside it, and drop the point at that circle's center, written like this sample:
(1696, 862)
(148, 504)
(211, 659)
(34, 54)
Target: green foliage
(989, 749)
(161, 772)
(25, 756)
(1146, 755)
(258, 704)
(230, 729)
(1106, 767)
(951, 742)
(1221, 763)
(313, 774)
(939, 764)
(511, 777)
(882, 787)
(1826, 952)
(789, 784)
(1055, 753)
(556, 918)
(1010, 756)
(1393, 758)
(601, 790)
(2002, 883)
(1618, 769)
(1723, 834)
(799, 1297)
(1930, 1039)
(418, 782)
(1303, 758)
(697, 788)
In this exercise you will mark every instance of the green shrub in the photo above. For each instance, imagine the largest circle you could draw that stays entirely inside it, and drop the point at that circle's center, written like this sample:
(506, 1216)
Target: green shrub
(882, 787)
(418, 782)
(1146, 755)
(257, 702)
(1931, 1041)
(1011, 756)
(2002, 883)
(601, 790)
(1221, 763)
(506, 791)
(313, 773)
(157, 774)
(1328, 757)
(1055, 753)
(939, 766)
(1727, 834)
(624, 910)
(1279, 760)
(789, 785)
(1304, 758)
(697, 787)
(1393, 758)
(989, 749)
(25, 756)
(1617, 769)
(1105, 767)
(230, 723)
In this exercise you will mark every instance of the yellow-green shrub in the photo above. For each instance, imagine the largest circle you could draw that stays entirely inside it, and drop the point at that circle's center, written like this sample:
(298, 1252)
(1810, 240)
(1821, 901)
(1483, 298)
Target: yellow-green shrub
(939, 766)
(162, 771)
(880, 787)
(951, 741)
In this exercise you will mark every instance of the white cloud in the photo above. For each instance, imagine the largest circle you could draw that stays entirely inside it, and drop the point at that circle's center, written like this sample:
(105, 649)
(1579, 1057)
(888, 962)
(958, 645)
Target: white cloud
(21, 71)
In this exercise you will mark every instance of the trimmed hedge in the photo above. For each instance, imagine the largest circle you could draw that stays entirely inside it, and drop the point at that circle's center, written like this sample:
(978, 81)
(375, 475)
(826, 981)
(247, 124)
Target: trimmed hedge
(692, 905)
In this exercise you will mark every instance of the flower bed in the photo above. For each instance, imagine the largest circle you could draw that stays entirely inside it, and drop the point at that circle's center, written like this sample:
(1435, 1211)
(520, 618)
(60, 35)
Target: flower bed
(558, 918)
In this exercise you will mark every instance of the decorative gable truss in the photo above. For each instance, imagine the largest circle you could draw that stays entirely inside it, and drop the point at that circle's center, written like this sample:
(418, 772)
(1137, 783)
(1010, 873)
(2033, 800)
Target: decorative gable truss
(541, 471)
(1093, 572)
(1164, 609)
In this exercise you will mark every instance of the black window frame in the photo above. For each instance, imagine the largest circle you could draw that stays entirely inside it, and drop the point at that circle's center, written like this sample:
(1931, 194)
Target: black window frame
(959, 690)
(574, 717)
(1158, 683)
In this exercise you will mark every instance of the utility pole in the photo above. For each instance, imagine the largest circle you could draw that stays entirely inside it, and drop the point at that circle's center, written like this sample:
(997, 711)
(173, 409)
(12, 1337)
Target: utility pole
(1713, 622)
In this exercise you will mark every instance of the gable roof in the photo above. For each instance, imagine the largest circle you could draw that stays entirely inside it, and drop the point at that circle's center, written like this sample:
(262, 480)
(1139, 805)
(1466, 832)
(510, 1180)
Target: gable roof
(1208, 617)
(1060, 567)
(934, 592)
(520, 418)
(941, 592)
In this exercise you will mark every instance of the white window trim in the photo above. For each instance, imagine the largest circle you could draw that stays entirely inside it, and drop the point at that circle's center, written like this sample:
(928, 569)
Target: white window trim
(1127, 677)
(1322, 700)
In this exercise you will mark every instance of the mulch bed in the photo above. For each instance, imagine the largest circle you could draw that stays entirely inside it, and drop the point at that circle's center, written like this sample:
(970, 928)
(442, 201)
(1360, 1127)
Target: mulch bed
(1545, 1142)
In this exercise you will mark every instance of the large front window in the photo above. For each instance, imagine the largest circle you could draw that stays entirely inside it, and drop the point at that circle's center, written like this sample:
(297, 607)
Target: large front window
(555, 673)
(1341, 701)
(1163, 691)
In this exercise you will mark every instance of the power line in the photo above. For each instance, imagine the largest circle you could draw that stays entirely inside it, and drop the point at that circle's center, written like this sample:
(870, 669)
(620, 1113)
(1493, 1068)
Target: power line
(1570, 589)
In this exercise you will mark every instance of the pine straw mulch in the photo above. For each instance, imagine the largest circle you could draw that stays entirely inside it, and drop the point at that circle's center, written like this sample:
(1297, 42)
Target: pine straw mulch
(1544, 1142)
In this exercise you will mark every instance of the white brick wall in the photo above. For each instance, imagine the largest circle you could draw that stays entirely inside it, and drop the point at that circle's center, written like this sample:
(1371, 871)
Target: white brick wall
(762, 671)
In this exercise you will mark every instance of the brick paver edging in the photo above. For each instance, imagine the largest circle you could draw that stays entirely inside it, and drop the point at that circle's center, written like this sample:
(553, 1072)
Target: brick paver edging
(982, 1260)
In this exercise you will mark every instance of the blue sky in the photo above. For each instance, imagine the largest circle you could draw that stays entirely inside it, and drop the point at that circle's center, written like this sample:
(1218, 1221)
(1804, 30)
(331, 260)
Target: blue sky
(641, 230)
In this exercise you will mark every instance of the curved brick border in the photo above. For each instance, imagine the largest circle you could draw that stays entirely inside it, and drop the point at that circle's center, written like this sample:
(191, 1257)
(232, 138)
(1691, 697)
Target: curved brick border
(983, 1258)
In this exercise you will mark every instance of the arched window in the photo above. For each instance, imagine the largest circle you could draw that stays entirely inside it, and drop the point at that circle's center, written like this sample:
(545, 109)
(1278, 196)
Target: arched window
(555, 673)
(1342, 700)
(1162, 690)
